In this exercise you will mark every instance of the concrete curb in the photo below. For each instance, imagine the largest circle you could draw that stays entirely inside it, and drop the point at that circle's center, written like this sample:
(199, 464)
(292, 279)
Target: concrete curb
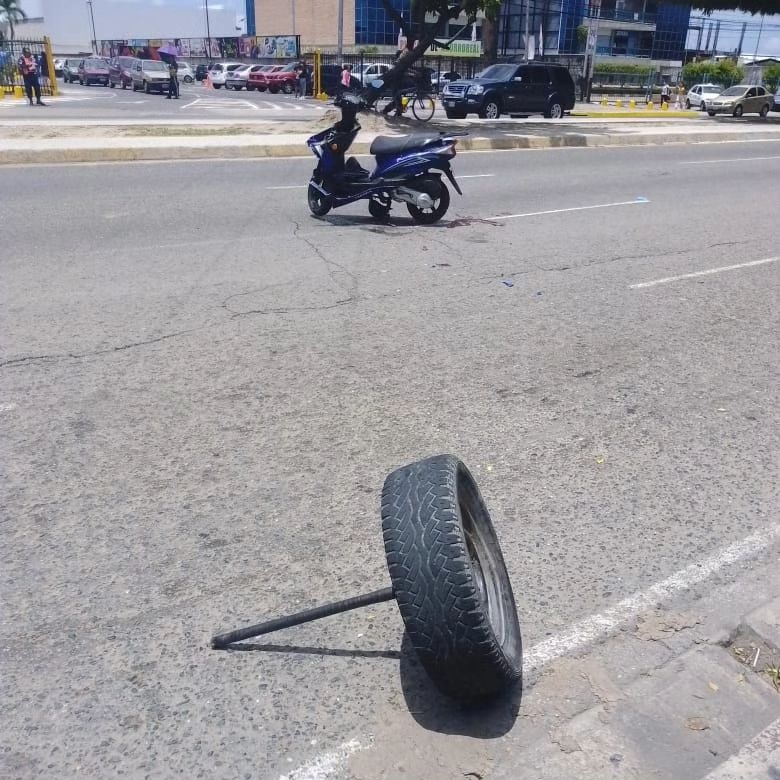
(230, 151)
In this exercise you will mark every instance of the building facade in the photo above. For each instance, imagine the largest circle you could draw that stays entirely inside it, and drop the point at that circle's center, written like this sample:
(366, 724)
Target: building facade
(626, 29)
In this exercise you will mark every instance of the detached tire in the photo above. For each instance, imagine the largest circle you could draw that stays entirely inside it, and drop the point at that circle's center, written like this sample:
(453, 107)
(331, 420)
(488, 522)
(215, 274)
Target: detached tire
(449, 579)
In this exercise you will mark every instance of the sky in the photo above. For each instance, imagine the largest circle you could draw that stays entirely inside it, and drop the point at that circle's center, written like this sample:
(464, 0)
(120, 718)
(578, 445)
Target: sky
(731, 28)
(34, 7)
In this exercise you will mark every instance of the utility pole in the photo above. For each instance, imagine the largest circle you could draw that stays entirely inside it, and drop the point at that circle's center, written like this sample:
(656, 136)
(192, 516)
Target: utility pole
(760, 28)
(741, 38)
(341, 29)
(715, 39)
(208, 28)
(94, 34)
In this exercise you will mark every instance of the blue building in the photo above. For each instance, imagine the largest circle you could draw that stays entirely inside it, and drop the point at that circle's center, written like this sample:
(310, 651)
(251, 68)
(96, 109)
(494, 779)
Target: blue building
(374, 26)
(646, 29)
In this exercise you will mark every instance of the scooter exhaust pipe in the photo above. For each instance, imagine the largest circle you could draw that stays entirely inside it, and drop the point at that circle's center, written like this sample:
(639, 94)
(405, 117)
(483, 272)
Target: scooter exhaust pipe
(420, 199)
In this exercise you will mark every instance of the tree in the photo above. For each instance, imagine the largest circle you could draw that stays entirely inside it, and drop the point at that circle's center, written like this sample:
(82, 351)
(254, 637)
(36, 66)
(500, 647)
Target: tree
(772, 76)
(421, 33)
(11, 14)
(723, 72)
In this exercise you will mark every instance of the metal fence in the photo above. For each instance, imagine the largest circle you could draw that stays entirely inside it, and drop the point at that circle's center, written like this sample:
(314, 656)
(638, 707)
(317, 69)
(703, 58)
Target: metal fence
(11, 80)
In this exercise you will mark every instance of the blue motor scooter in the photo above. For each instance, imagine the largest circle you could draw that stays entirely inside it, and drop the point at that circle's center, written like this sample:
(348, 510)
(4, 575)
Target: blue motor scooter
(408, 169)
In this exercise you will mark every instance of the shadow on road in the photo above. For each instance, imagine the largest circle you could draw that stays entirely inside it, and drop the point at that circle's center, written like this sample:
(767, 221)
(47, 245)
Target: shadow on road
(436, 712)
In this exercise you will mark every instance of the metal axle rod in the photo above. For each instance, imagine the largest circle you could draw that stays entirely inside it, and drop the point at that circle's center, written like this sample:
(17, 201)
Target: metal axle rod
(376, 597)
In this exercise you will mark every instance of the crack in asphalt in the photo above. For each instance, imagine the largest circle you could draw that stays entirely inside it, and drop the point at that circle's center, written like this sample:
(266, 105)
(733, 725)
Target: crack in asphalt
(94, 353)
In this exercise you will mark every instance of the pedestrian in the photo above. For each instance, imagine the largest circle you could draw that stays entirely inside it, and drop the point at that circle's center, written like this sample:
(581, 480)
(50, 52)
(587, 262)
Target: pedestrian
(346, 76)
(173, 79)
(303, 80)
(28, 67)
(665, 93)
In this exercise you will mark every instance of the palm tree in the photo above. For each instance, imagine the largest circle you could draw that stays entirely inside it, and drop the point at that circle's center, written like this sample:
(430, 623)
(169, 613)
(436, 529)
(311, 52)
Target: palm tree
(11, 13)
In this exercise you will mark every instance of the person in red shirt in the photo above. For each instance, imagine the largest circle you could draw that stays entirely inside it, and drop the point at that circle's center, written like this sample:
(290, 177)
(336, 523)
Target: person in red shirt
(28, 67)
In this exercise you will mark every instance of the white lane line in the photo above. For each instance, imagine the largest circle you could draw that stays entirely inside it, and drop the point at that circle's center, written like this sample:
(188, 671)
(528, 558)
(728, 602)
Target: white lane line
(289, 187)
(600, 626)
(734, 159)
(326, 766)
(754, 759)
(189, 105)
(634, 202)
(708, 272)
(477, 176)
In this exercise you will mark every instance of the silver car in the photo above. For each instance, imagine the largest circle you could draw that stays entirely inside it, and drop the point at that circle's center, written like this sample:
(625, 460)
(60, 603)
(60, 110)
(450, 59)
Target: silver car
(742, 99)
(700, 94)
(150, 76)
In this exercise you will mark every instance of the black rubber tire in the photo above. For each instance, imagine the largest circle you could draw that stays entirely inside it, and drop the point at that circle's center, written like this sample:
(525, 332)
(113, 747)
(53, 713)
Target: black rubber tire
(188, 79)
(217, 86)
(379, 211)
(554, 110)
(764, 110)
(711, 113)
(450, 580)
(687, 103)
(319, 205)
(423, 108)
(437, 189)
(487, 113)
(738, 111)
(147, 88)
(287, 88)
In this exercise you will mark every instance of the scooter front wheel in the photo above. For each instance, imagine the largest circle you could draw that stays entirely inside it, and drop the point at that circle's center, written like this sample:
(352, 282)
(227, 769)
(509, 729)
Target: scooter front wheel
(441, 202)
(319, 204)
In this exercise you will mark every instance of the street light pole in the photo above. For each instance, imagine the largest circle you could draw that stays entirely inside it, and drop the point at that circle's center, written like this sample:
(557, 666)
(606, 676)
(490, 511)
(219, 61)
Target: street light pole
(208, 28)
(341, 29)
(94, 34)
(760, 29)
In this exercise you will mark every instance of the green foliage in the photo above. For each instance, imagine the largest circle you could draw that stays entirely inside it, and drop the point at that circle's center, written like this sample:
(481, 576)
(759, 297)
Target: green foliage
(610, 67)
(582, 34)
(723, 72)
(772, 76)
(11, 13)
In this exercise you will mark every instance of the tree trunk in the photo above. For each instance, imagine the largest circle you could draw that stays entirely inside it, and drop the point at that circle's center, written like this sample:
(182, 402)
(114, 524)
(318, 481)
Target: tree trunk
(490, 40)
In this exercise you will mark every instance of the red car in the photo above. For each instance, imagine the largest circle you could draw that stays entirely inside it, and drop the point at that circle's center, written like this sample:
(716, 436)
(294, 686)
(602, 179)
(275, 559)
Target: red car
(93, 70)
(120, 71)
(259, 79)
(282, 79)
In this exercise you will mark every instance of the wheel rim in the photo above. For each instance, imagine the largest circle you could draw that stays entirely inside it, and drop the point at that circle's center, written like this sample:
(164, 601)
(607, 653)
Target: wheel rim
(486, 573)
(491, 111)
(556, 112)
(738, 111)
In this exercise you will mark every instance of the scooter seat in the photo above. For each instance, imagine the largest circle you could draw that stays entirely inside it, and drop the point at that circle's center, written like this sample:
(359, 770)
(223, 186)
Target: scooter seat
(387, 144)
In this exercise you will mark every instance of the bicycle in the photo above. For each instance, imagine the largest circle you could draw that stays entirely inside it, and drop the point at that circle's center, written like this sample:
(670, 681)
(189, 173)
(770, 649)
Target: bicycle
(422, 103)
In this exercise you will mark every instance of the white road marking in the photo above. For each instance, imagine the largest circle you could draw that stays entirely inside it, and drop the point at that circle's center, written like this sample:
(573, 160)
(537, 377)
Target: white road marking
(289, 187)
(7, 407)
(634, 202)
(708, 272)
(326, 766)
(189, 105)
(477, 176)
(600, 626)
(734, 159)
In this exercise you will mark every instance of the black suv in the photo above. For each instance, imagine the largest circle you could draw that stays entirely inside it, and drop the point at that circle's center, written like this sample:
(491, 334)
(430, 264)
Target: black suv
(509, 88)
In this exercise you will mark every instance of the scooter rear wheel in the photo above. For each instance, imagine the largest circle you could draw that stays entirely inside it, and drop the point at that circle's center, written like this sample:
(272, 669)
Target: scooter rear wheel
(319, 204)
(441, 202)
(379, 209)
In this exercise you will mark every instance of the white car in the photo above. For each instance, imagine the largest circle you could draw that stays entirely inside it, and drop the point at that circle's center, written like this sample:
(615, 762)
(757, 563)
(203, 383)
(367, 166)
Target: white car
(239, 78)
(371, 72)
(218, 71)
(185, 72)
(699, 95)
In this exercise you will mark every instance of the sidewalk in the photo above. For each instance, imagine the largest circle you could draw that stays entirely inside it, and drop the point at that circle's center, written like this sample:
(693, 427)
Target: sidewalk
(89, 143)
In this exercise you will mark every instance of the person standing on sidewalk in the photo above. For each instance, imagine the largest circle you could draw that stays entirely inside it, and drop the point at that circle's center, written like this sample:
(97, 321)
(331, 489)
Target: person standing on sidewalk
(28, 67)
(173, 79)
(665, 93)
(303, 80)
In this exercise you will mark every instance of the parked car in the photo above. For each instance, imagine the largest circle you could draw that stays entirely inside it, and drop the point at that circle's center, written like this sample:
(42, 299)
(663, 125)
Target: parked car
(150, 76)
(700, 94)
(258, 79)
(371, 72)
(331, 81)
(218, 72)
(239, 78)
(120, 71)
(439, 81)
(509, 88)
(742, 99)
(283, 79)
(776, 98)
(93, 70)
(200, 72)
(58, 64)
(70, 70)
(185, 73)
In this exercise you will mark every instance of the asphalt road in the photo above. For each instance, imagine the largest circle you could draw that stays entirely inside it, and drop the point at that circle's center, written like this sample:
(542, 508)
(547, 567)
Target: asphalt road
(202, 389)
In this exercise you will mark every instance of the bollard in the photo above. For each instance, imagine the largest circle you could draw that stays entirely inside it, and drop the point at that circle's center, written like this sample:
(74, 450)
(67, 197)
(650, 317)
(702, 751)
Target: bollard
(664, 106)
(18, 92)
(649, 105)
(632, 103)
(618, 103)
(604, 100)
